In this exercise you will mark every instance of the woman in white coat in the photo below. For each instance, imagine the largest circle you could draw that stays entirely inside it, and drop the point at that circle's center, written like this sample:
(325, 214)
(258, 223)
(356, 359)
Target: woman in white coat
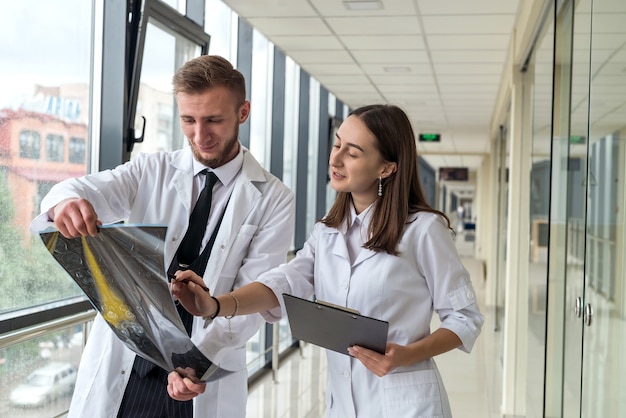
(383, 251)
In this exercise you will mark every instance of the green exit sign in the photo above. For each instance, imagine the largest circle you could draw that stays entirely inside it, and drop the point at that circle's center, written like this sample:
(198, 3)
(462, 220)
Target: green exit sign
(430, 137)
(577, 139)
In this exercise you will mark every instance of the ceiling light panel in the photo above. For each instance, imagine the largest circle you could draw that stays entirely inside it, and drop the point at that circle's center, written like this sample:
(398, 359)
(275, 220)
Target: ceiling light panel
(363, 5)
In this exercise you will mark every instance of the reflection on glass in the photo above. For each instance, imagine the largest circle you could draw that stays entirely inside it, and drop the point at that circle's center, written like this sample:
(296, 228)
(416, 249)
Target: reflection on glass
(575, 162)
(43, 105)
(539, 216)
(40, 374)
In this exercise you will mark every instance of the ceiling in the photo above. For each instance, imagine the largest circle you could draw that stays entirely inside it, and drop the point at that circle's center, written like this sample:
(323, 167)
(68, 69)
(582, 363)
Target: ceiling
(440, 60)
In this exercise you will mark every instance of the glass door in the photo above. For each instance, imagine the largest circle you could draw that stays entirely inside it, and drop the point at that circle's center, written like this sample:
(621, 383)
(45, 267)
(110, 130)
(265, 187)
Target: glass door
(603, 311)
(576, 166)
(567, 204)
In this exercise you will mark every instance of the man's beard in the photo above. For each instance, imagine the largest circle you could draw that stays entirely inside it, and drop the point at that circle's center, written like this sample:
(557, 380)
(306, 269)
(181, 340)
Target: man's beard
(227, 154)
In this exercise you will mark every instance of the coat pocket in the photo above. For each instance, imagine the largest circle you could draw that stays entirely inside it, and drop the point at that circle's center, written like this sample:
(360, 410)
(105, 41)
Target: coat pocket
(239, 250)
(413, 394)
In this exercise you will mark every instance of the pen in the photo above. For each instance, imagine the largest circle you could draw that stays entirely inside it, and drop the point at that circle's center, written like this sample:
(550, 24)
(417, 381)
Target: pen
(172, 277)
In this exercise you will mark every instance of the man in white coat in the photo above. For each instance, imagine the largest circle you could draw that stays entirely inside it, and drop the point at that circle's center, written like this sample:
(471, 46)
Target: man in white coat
(162, 188)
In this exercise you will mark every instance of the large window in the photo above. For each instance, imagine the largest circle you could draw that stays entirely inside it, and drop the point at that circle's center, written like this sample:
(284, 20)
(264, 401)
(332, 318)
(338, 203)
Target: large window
(44, 91)
(44, 101)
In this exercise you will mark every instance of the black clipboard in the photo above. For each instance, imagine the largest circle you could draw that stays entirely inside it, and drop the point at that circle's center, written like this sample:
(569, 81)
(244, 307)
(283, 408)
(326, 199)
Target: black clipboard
(334, 328)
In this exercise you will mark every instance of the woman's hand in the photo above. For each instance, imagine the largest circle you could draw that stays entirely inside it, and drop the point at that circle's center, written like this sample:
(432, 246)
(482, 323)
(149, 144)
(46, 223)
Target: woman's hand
(381, 364)
(439, 342)
(189, 289)
(182, 388)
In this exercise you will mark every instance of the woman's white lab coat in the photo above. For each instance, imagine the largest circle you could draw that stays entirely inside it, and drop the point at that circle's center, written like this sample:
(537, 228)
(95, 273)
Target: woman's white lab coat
(254, 236)
(404, 290)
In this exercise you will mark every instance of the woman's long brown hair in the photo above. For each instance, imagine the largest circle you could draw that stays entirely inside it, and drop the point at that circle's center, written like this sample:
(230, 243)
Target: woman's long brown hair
(402, 191)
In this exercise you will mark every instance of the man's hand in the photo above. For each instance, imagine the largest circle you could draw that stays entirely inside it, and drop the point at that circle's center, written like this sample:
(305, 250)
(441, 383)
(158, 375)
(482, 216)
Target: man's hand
(74, 218)
(183, 389)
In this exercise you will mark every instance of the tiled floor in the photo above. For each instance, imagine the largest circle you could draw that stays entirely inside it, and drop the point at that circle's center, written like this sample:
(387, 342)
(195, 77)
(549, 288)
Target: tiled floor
(472, 380)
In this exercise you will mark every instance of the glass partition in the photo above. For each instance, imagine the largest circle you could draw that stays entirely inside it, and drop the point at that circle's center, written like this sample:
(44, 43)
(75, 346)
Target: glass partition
(604, 310)
(557, 350)
(575, 147)
(542, 66)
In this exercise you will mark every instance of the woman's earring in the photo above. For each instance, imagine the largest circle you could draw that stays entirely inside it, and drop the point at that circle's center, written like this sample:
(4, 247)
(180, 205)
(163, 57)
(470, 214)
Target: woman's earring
(380, 186)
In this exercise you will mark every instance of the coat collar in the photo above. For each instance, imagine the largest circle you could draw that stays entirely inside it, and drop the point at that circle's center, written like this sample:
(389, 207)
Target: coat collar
(340, 247)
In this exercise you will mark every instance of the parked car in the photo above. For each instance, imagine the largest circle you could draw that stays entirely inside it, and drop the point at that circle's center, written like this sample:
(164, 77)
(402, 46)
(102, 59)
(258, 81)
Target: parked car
(45, 385)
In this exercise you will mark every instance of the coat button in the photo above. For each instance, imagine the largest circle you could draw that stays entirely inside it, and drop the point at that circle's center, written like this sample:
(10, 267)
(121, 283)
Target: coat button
(470, 295)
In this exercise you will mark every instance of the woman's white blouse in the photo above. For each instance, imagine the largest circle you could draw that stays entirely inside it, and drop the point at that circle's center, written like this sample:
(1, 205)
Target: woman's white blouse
(405, 290)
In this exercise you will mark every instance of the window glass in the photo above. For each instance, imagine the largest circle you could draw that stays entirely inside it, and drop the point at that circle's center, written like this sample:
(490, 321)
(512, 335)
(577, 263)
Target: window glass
(336, 115)
(261, 98)
(292, 96)
(221, 24)
(38, 376)
(164, 52)
(44, 100)
(314, 127)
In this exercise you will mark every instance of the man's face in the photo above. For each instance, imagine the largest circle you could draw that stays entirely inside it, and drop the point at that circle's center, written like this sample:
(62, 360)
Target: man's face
(210, 121)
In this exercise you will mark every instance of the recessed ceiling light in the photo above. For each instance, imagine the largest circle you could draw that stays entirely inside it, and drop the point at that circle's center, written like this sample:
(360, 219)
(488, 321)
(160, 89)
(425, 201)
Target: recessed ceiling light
(363, 5)
(397, 69)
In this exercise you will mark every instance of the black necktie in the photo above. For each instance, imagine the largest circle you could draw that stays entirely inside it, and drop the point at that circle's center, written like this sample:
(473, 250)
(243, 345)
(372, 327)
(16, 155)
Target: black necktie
(187, 253)
(190, 245)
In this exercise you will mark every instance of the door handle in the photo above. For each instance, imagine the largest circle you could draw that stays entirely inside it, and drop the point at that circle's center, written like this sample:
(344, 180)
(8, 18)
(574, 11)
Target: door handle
(588, 314)
(578, 307)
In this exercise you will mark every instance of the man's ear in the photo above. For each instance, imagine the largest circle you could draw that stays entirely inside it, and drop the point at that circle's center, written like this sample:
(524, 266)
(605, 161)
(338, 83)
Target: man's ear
(244, 112)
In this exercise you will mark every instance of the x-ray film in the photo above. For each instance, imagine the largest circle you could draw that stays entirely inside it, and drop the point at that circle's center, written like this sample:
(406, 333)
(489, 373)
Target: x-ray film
(121, 270)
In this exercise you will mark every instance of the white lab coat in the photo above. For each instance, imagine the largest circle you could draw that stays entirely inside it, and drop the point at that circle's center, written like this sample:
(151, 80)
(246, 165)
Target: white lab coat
(404, 290)
(254, 236)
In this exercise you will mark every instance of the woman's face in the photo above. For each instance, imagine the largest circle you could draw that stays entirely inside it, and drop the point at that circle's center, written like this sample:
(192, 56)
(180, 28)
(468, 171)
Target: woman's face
(356, 164)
